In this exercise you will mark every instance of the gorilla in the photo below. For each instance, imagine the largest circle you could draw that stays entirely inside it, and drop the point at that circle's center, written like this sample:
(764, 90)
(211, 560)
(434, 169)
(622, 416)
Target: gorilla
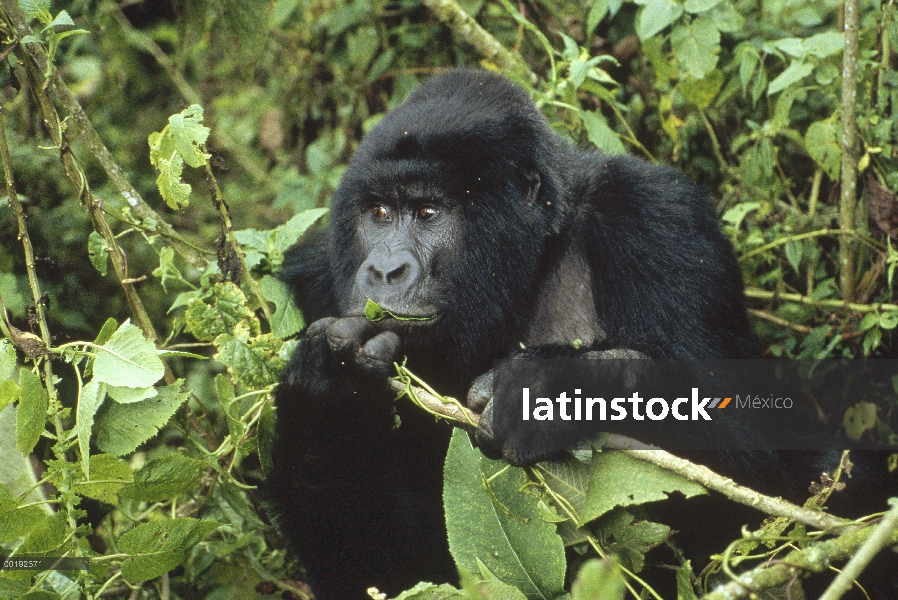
(485, 235)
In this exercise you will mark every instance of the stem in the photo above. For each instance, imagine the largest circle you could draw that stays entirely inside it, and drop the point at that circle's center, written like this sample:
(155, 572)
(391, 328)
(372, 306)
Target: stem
(881, 537)
(848, 200)
(815, 192)
(715, 144)
(861, 308)
(228, 231)
(811, 234)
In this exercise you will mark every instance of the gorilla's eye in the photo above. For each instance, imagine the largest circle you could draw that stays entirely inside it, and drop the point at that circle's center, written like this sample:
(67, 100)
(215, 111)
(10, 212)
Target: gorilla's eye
(380, 212)
(425, 213)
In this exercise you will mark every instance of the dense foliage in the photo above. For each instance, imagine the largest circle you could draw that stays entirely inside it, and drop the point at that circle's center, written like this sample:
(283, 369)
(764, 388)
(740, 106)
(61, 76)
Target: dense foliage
(161, 156)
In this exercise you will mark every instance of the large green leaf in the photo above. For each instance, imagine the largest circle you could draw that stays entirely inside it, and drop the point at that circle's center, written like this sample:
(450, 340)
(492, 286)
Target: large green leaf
(617, 479)
(121, 428)
(159, 546)
(656, 15)
(697, 45)
(31, 414)
(495, 523)
(89, 401)
(165, 478)
(128, 359)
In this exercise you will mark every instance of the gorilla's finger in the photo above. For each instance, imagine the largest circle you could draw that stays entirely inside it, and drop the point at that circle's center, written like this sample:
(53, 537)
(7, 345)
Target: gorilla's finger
(345, 336)
(379, 353)
(484, 437)
(319, 327)
(481, 392)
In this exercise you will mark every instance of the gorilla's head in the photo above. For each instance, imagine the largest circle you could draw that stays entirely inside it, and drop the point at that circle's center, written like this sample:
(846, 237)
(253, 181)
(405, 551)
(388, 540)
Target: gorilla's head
(445, 210)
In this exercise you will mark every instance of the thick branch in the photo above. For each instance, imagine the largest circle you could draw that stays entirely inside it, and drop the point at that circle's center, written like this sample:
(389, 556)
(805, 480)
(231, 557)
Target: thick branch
(815, 558)
(848, 201)
(450, 13)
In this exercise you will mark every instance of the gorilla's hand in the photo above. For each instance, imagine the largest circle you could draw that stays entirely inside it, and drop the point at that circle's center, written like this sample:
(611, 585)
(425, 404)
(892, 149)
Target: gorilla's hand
(502, 433)
(342, 352)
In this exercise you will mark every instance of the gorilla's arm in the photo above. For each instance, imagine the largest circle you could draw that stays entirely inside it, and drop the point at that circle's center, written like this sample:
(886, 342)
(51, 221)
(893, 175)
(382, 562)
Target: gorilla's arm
(346, 479)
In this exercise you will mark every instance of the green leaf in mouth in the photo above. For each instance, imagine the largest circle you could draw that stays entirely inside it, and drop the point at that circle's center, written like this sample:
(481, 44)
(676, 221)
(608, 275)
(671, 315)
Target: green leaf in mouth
(374, 312)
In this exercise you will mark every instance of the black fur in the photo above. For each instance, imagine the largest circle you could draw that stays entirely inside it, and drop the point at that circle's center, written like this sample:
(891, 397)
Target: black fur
(463, 204)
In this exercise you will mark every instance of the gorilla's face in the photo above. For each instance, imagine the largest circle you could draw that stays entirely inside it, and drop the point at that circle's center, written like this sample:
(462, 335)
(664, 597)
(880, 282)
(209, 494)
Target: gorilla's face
(410, 237)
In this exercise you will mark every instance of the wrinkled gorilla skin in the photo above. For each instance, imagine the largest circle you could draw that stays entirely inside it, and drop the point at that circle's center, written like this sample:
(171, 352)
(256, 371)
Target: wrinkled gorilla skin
(463, 205)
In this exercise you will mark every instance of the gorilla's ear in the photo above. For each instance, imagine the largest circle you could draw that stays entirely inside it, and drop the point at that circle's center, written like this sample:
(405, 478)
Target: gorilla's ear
(553, 210)
(533, 181)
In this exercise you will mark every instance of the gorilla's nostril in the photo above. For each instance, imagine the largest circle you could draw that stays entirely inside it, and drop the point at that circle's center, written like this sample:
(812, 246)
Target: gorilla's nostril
(398, 274)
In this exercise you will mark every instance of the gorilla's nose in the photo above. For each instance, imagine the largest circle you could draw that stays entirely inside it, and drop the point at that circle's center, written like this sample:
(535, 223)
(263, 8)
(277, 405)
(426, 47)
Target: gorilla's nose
(389, 275)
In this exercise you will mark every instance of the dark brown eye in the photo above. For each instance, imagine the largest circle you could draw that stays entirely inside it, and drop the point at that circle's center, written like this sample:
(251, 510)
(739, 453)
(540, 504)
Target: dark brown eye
(426, 213)
(380, 212)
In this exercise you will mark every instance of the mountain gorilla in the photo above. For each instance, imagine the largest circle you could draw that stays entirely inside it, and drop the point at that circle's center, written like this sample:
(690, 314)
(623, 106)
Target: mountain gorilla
(464, 210)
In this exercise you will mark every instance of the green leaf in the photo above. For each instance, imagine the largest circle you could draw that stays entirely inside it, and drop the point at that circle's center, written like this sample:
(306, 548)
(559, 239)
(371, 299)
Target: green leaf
(224, 390)
(374, 312)
(286, 319)
(16, 471)
(266, 434)
(701, 92)
(794, 251)
(97, 252)
(684, 582)
(106, 331)
(175, 192)
(128, 359)
(189, 135)
(7, 359)
(255, 362)
(35, 8)
(700, 6)
(656, 15)
(63, 19)
(17, 522)
(796, 71)
(631, 539)
(825, 44)
(110, 473)
(9, 393)
(430, 591)
(125, 395)
(221, 310)
(121, 428)
(165, 478)
(859, 418)
(508, 539)
(89, 402)
(46, 536)
(888, 320)
(289, 233)
(159, 546)
(727, 19)
(697, 45)
(597, 12)
(792, 46)
(31, 414)
(599, 579)
(734, 216)
(619, 480)
(600, 134)
(823, 144)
